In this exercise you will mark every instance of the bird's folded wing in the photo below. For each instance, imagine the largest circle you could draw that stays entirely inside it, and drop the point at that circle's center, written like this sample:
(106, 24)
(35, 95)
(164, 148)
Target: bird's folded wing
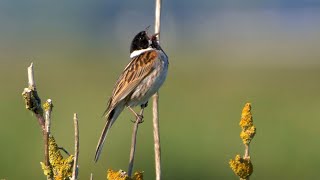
(132, 75)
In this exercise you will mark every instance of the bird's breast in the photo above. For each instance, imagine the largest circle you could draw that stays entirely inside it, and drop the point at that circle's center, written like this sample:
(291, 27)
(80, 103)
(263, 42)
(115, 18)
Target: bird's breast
(151, 83)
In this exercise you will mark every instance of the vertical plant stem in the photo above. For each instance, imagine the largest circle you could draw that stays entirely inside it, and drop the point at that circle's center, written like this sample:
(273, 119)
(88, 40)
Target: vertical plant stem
(133, 147)
(31, 81)
(32, 89)
(46, 151)
(47, 114)
(157, 18)
(155, 109)
(246, 152)
(134, 142)
(156, 137)
(46, 132)
(76, 147)
(38, 111)
(246, 156)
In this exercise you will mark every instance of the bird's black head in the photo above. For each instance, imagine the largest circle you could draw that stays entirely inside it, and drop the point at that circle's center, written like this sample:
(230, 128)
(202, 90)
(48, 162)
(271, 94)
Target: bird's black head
(140, 41)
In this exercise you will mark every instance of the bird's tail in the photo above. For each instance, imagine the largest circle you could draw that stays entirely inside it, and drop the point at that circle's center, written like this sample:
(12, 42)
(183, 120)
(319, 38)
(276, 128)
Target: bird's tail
(111, 118)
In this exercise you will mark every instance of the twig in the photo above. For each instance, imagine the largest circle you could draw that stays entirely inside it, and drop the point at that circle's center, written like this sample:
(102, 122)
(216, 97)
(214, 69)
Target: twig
(134, 142)
(33, 103)
(31, 81)
(246, 156)
(64, 150)
(76, 147)
(155, 109)
(246, 152)
(47, 114)
(32, 100)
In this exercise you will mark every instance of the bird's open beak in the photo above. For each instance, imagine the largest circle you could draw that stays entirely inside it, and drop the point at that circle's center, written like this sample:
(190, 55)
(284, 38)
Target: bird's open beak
(154, 37)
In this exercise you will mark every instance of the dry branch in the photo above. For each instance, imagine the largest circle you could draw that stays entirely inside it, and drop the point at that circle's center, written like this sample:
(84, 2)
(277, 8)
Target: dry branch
(134, 141)
(76, 147)
(54, 166)
(33, 103)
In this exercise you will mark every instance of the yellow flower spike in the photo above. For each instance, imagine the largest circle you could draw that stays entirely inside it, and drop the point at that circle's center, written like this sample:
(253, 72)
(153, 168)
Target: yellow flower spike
(241, 167)
(122, 175)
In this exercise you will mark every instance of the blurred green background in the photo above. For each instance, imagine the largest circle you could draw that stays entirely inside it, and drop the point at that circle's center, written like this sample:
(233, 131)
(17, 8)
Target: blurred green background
(223, 53)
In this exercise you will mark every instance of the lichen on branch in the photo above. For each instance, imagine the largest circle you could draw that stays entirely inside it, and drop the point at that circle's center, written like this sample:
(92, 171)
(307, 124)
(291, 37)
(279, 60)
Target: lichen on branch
(122, 175)
(242, 166)
(246, 123)
(61, 168)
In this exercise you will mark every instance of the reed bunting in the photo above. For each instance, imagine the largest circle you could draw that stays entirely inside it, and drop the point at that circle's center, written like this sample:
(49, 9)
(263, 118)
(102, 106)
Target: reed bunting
(141, 78)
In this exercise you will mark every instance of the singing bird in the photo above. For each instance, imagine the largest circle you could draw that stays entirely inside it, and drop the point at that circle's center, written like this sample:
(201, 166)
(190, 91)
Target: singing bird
(140, 79)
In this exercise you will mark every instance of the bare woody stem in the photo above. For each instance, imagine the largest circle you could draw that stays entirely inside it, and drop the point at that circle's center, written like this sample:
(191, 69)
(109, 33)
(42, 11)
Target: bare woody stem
(246, 156)
(134, 142)
(47, 114)
(46, 148)
(31, 91)
(157, 18)
(31, 81)
(46, 132)
(155, 109)
(33, 103)
(76, 147)
(156, 136)
(246, 152)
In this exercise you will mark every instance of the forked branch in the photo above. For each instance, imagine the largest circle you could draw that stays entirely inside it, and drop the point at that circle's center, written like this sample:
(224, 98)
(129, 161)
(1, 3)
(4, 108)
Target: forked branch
(54, 166)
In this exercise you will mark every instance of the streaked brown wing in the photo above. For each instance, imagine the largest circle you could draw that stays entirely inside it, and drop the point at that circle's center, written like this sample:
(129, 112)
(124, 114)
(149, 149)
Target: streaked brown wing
(132, 75)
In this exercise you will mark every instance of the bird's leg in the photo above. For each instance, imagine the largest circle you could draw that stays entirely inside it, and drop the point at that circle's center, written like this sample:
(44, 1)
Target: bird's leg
(139, 117)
